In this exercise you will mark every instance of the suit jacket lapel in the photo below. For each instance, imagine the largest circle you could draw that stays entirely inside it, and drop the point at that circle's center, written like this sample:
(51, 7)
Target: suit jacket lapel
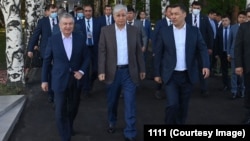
(188, 39)
(113, 38)
(61, 46)
(129, 36)
(171, 37)
(73, 48)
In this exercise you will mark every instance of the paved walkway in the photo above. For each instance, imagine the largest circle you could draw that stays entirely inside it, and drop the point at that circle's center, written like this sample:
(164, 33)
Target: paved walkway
(37, 122)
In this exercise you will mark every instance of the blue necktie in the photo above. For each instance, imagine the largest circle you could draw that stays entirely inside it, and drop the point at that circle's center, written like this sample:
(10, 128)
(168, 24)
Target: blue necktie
(195, 20)
(108, 20)
(90, 43)
(225, 39)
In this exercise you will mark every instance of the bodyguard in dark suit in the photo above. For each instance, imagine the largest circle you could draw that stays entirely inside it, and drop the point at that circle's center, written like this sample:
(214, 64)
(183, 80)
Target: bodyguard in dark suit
(242, 63)
(90, 27)
(202, 22)
(164, 22)
(121, 66)
(107, 18)
(176, 52)
(40, 37)
(134, 22)
(221, 50)
(237, 82)
(70, 58)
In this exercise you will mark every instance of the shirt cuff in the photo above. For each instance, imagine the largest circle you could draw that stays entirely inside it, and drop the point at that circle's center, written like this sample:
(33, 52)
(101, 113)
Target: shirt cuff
(81, 72)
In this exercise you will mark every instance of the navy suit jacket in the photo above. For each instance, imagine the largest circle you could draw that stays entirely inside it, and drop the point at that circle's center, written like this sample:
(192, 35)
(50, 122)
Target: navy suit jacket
(43, 31)
(159, 24)
(102, 20)
(219, 42)
(147, 28)
(62, 66)
(165, 53)
(96, 30)
(205, 29)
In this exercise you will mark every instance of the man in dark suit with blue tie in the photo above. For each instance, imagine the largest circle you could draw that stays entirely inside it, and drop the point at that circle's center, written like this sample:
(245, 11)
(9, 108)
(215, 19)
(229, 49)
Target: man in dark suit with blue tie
(221, 50)
(69, 54)
(201, 21)
(90, 26)
(176, 52)
(41, 34)
(107, 18)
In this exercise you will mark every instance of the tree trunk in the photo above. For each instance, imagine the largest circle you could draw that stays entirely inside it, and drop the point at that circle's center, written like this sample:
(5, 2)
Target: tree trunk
(14, 49)
(147, 8)
(34, 10)
(164, 4)
(118, 1)
(134, 4)
(248, 3)
(97, 6)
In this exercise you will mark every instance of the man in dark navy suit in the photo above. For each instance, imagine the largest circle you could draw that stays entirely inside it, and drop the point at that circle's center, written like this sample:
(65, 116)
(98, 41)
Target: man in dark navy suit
(41, 34)
(242, 63)
(107, 18)
(176, 52)
(201, 21)
(70, 58)
(221, 50)
(159, 24)
(90, 26)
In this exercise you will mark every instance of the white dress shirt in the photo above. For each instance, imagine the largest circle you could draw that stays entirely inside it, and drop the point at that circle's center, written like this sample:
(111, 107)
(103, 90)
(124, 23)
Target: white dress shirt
(197, 20)
(122, 45)
(51, 22)
(168, 21)
(108, 20)
(90, 28)
(180, 45)
(67, 43)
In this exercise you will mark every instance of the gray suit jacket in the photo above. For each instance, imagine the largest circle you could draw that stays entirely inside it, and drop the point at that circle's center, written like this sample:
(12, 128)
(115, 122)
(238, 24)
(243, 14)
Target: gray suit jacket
(144, 38)
(107, 53)
(231, 41)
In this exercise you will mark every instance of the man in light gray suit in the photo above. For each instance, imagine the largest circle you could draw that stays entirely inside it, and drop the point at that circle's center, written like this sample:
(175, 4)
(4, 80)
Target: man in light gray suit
(235, 79)
(121, 67)
(137, 23)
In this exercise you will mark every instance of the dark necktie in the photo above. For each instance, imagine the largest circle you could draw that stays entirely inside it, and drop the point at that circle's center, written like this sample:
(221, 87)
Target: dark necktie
(225, 39)
(130, 23)
(142, 22)
(89, 34)
(53, 21)
(195, 20)
(108, 20)
(170, 23)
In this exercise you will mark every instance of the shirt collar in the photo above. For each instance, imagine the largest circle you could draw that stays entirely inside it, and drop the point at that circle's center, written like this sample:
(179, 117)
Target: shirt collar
(131, 21)
(184, 27)
(70, 36)
(90, 19)
(124, 28)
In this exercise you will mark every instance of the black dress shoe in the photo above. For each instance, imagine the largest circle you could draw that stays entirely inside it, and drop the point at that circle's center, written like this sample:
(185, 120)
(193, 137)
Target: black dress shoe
(50, 100)
(129, 139)
(204, 93)
(111, 129)
(73, 133)
(234, 95)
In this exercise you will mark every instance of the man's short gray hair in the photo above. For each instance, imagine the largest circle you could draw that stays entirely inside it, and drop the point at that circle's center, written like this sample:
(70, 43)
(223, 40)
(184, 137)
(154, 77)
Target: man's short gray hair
(66, 16)
(118, 8)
